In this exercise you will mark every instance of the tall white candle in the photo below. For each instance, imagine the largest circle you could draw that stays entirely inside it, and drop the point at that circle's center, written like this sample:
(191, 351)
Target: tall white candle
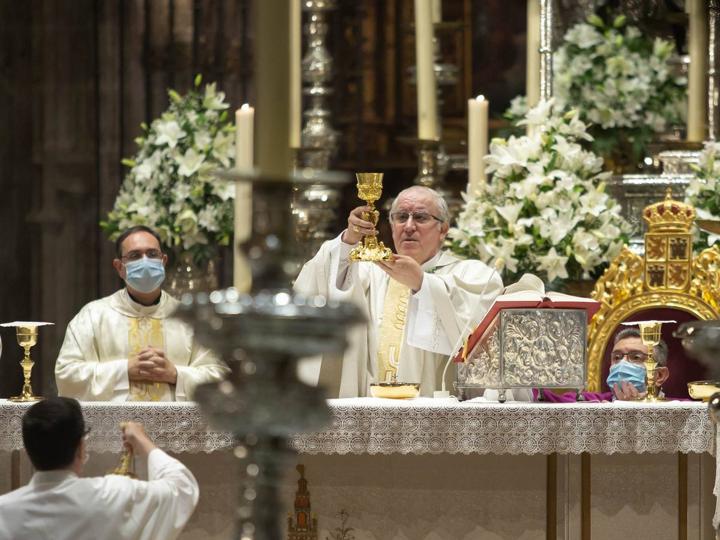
(477, 143)
(436, 11)
(697, 72)
(532, 66)
(244, 145)
(295, 73)
(426, 87)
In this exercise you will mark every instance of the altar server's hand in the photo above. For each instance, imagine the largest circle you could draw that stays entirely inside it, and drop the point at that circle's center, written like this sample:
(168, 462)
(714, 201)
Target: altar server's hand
(627, 392)
(135, 438)
(357, 226)
(404, 269)
(155, 367)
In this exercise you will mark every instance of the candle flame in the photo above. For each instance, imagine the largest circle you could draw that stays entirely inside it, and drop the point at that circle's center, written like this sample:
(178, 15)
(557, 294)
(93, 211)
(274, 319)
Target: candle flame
(245, 107)
(480, 98)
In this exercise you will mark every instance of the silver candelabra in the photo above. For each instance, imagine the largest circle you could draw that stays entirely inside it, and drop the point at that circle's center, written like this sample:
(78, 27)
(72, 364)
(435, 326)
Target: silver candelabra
(319, 139)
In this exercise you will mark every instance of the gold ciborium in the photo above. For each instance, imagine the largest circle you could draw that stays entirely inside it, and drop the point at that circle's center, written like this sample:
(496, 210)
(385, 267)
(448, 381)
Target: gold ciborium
(369, 186)
(650, 336)
(27, 335)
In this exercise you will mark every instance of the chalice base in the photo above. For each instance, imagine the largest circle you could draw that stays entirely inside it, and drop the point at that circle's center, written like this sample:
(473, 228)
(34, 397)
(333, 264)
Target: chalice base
(25, 398)
(652, 399)
(364, 253)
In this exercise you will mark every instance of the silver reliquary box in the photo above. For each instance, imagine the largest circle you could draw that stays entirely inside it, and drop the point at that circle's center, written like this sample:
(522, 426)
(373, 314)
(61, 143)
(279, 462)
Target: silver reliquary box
(526, 348)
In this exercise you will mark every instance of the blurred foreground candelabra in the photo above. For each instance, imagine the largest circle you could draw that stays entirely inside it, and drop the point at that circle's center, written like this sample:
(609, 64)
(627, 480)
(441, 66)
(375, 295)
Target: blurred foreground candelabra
(261, 336)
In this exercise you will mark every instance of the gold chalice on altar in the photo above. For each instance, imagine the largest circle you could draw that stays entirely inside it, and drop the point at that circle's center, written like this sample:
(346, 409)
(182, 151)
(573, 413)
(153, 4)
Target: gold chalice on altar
(369, 186)
(27, 336)
(650, 336)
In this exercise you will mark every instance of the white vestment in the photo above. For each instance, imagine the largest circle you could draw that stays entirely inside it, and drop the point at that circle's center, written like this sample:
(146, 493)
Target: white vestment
(452, 291)
(58, 505)
(93, 361)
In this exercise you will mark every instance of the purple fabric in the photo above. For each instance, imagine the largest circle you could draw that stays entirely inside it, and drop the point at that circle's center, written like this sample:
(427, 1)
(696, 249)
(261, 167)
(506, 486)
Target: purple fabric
(569, 397)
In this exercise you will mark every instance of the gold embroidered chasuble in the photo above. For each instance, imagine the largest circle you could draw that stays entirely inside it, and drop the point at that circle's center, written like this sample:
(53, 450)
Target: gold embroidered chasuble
(92, 363)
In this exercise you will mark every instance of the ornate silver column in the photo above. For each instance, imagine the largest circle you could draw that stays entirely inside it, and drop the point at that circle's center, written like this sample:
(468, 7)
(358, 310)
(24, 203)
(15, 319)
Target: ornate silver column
(261, 336)
(319, 139)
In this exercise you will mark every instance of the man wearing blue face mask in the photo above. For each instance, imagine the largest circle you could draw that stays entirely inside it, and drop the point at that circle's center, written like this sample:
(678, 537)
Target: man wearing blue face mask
(627, 369)
(626, 379)
(125, 347)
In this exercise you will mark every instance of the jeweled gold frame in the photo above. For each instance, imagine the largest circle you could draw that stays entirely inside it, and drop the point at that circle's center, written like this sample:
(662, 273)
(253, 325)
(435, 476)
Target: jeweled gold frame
(627, 286)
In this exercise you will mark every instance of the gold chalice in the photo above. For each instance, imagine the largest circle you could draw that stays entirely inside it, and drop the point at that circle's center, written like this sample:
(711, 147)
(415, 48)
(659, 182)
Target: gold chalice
(369, 187)
(27, 335)
(650, 335)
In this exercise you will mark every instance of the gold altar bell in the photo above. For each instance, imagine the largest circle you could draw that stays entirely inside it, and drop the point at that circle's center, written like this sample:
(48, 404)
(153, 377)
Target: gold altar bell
(369, 186)
(668, 276)
(27, 336)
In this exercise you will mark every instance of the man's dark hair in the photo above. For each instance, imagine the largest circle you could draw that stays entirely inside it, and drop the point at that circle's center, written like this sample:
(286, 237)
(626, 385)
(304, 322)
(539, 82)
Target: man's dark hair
(660, 352)
(52, 430)
(133, 230)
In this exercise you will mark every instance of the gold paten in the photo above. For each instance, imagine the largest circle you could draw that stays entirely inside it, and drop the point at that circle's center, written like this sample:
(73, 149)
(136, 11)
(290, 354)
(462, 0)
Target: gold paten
(369, 186)
(667, 277)
(703, 389)
(395, 390)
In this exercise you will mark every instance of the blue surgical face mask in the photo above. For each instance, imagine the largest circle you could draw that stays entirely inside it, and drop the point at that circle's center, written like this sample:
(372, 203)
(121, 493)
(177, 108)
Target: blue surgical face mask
(144, 275)
(627, 371)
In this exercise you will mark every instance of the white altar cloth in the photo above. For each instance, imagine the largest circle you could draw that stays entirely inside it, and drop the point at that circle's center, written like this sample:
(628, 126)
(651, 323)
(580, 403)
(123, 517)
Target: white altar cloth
(420, 426)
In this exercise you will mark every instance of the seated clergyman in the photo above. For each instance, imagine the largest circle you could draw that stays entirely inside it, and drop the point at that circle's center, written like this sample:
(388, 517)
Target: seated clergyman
(416, 304)
(59, 504)
(125, 346)
(627, 375)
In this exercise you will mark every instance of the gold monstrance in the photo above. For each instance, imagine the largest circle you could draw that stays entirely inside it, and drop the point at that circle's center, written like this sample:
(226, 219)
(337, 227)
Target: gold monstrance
(27, 334)
(650, 335)
(369, 186)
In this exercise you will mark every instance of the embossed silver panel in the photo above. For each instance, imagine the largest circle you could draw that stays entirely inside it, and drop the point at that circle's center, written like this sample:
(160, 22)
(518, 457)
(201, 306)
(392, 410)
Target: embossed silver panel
(529, 348)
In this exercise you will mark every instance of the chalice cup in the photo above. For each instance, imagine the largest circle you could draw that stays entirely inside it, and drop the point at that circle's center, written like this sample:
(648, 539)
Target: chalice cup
(27, 339)
(369, 186)
(650, 336)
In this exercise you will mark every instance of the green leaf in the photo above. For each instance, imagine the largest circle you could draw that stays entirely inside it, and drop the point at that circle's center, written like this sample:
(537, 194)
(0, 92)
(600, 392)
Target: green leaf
(128, 162)
(619, 21)
(198, 80)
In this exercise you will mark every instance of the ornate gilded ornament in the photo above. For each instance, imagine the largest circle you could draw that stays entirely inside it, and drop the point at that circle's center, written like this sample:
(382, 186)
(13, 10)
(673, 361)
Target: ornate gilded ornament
(667, 277)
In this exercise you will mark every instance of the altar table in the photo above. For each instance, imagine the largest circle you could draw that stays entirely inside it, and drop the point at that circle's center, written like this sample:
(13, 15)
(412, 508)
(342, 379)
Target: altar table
(439, 469)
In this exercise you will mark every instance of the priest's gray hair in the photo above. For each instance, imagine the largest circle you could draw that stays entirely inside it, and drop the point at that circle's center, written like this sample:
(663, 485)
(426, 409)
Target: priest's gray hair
(440, 203)
(660, 353)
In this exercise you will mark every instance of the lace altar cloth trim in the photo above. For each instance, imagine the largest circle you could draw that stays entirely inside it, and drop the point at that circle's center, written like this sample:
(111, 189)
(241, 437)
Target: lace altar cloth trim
(420, 426)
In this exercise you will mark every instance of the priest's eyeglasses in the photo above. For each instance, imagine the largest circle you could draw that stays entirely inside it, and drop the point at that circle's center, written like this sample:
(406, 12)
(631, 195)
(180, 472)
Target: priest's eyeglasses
(633, 356)
(421, 218)
(137, 254)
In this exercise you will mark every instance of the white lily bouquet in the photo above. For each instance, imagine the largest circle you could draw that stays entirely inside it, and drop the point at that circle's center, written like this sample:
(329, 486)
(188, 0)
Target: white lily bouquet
(170, 187)
(703, 192)
(620, 81)
(545, 210)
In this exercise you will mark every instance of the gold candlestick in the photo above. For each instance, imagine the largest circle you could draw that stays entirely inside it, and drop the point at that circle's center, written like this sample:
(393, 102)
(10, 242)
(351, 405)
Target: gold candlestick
(369, 187)
(650, 335)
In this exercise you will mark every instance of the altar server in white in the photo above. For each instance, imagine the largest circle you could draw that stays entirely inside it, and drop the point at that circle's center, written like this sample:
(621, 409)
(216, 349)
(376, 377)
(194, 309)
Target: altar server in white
(417, 304)
(58, 504)
(124, 347)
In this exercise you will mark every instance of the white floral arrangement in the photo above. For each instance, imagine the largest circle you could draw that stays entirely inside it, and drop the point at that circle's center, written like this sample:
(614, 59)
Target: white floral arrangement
(545, 210)
(620, 81)
(170, 186)
(703, 191)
